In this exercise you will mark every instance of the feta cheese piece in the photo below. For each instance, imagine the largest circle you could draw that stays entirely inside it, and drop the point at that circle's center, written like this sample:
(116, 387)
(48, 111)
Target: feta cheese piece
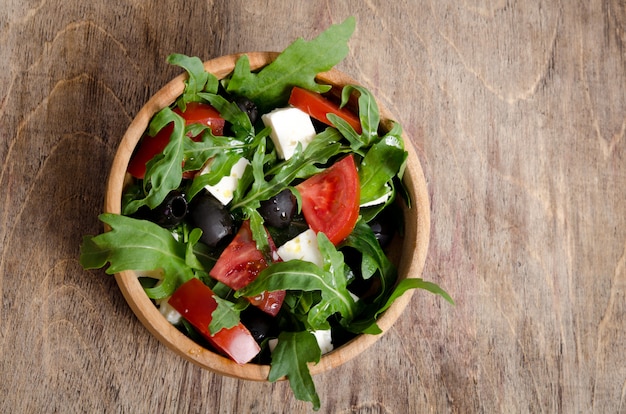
(171, 314)
(225, 188)
(290, 126)
(380, 200)
(303, 247)
(323, 337)
(324, 340)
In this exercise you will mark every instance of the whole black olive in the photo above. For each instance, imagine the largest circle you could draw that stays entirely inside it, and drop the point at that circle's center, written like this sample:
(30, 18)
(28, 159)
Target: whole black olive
(247, 106)
(278, 211)
(171, 211)
(217, 224)
(259, 323)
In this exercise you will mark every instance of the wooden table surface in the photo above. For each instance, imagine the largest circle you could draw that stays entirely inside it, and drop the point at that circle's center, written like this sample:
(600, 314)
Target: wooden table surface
(517, 110)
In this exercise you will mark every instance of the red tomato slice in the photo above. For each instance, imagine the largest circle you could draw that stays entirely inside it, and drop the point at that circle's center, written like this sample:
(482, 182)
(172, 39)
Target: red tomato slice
(195, 113)
(241, 262)
(330, 200)
(204, 114)
(194, 301)
(317, 106)
(269, 302)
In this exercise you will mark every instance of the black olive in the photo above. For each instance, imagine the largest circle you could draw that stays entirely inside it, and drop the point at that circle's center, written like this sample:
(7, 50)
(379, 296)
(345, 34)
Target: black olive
(278, 211)
(383, 226)
(171, 211)
(247, 106)
(215, 221)
(319, 126)
(259, 323)
(281, 236)
(356, 284)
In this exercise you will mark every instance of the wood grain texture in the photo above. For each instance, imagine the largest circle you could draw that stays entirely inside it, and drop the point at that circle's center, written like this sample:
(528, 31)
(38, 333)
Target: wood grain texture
(518, 113)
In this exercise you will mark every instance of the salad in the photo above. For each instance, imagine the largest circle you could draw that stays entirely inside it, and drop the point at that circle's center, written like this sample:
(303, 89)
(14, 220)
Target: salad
(260, 209)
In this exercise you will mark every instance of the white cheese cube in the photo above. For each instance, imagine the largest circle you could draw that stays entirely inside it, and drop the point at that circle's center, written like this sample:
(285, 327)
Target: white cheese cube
(171, 314)
(302, 247)
(324, 340)
(225, 188)
(290, 126)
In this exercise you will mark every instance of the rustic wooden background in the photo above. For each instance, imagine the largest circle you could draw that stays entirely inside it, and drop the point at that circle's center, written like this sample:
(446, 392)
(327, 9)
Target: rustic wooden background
(518, 112)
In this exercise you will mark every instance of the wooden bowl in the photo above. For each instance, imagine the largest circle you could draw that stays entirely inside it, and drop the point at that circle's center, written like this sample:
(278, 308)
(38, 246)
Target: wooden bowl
(410, 262)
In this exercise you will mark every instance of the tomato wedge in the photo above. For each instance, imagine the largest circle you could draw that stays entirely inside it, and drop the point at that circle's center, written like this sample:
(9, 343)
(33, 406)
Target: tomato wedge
(241, 262)
(317, 106)
(330, 200)
(194, 301)
(269, 302)
(205, 114)
(195, 113)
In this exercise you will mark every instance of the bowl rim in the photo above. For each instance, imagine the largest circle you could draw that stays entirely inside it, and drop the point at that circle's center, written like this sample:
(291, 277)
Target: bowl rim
(411, 262)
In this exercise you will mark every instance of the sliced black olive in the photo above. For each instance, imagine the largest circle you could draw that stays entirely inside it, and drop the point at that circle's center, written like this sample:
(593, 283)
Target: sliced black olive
(171, 211)
(278, 211)
(217, 224)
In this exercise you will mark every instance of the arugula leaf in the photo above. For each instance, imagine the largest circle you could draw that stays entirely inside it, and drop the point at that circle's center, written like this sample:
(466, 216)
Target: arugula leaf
(259, 233)
(370, 212)
(92, 256)
(225, 315)
(251, 199)
(298, 304)
(319, 151)
(414, 283)
(163, 289)
(164, 172)
(346, 130)
(206, 256)
(199, 80)
(230, 111)
(190, 254)
(363, 239)
(330, 280)
(138, 245)
(297, 65)
(223, 152)
(220, 289)
(367, 325)
(368, 112)
(290, 357)
(369, 117)
(382, 162)
(375, 261)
